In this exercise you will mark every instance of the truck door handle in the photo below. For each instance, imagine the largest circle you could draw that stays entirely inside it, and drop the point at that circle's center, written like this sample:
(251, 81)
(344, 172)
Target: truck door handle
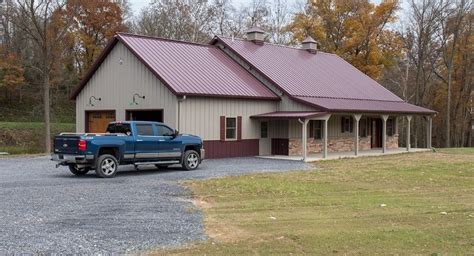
(139, 140)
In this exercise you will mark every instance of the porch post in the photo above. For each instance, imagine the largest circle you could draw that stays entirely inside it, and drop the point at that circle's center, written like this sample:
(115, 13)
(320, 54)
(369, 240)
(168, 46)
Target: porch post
(356, 133)
(325, 138)
(384, 133)
(429, 125)
(304, 138)
(408, 133)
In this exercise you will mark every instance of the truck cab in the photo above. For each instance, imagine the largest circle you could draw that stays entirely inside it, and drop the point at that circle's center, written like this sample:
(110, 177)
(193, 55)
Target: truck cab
(127, 143)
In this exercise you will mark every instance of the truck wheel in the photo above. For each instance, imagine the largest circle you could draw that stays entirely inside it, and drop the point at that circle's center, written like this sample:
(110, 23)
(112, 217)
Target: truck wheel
(191, 160)
(106, 166)
(78, 171)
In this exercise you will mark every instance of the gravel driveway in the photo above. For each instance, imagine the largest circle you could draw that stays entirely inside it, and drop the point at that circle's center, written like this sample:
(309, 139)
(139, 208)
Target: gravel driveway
(46, 210)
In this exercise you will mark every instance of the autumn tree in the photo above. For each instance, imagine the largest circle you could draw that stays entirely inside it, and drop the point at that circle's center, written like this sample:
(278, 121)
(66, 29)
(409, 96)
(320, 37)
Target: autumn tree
(355, 30)
(11, 71)
(94, 23)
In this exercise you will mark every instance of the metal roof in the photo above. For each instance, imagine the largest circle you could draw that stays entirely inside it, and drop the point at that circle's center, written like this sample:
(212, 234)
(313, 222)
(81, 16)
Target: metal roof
(364, 106)
(189, 68)
(289, 114)
(322, 80)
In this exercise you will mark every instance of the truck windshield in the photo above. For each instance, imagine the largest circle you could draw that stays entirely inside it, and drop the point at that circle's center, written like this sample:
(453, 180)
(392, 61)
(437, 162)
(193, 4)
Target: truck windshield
(119, 128)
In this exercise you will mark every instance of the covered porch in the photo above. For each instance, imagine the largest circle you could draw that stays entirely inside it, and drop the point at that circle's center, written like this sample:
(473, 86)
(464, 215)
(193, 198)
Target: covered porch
(340, 155)
(314, 136)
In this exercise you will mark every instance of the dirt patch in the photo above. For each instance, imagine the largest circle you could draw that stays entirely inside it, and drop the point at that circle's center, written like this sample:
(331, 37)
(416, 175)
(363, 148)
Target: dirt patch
(219, 230)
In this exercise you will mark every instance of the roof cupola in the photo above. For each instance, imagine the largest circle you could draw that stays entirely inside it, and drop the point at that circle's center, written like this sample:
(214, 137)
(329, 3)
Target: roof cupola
(310, 45)
(256, 35)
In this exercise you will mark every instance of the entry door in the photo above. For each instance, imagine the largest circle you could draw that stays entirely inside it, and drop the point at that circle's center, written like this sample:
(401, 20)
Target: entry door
(97, 121)
(376, 140)
(280, 147)
(168, 146)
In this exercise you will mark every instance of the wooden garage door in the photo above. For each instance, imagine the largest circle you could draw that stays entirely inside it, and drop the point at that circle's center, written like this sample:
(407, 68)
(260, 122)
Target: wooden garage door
(97, 121)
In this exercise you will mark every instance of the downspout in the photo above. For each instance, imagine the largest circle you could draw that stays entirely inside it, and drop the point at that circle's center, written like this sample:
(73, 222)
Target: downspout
(183, 98)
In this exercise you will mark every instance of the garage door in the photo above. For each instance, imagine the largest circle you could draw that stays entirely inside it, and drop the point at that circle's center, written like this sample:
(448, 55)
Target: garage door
(97, 121)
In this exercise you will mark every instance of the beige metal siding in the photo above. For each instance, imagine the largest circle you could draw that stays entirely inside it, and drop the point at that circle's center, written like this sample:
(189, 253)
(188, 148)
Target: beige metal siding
(119, 77)
(201, 116)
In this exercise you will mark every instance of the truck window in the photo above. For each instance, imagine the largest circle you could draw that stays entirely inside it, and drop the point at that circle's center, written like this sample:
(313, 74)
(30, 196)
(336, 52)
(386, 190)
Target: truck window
(145, 129)
(164, 131)
(119, 128)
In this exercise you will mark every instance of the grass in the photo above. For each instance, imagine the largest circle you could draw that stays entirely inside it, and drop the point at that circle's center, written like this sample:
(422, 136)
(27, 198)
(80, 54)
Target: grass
(417, 203)
(27, 137)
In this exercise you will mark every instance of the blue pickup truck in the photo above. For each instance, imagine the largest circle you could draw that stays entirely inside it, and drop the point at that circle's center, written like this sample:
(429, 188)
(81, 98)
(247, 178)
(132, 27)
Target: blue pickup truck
(133, 143)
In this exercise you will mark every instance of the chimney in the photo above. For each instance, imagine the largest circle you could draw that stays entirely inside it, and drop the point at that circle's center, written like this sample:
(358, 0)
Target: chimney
(256, 35)
(310, 45)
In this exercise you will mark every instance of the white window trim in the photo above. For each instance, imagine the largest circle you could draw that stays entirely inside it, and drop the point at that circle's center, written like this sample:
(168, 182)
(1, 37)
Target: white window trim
(236, 128)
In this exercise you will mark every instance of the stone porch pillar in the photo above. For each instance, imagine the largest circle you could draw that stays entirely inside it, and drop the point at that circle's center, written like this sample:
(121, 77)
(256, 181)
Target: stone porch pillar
(429, 125)
(408, 132)
(384, 133)
(356, 133)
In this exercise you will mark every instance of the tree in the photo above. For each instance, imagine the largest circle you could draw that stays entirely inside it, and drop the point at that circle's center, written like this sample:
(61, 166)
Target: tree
(36, 21)
(355, 30)
(11, 72)
(94, 24)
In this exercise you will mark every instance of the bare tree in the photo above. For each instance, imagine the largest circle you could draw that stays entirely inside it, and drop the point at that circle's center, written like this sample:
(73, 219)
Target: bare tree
(424, 22)
(36, 21)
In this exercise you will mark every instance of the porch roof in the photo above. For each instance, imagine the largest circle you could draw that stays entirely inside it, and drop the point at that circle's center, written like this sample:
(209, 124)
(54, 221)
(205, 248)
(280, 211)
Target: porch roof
(289, 114)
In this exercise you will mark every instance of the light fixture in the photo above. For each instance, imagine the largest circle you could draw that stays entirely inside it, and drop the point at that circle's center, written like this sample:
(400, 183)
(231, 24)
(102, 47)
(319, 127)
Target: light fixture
(93, 98)
(134, 100)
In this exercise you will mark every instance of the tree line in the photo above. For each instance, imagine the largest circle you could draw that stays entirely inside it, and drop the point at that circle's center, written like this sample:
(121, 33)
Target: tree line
(423, 52)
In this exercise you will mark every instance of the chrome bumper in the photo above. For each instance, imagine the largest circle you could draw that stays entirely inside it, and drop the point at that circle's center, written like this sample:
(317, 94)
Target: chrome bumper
(71, 159)
(203, 154)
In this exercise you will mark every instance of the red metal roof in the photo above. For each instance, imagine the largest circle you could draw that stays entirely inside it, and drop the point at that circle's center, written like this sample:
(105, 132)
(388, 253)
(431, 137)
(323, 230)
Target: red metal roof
(290, 114)
(364, 106)
(191, 69)
(323, 80)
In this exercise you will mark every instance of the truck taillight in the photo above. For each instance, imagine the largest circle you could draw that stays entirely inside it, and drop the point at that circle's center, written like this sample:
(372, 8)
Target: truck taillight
(82, 145)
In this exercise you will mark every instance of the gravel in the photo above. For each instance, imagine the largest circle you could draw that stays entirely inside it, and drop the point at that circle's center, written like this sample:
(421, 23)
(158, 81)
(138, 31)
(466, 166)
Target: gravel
(45, 210)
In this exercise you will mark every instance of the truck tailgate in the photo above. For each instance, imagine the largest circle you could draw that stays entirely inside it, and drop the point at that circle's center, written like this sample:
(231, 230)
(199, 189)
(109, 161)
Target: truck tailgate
(66, 144)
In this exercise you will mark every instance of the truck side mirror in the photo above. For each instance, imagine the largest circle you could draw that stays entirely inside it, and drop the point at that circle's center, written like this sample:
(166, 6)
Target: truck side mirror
(176, 133)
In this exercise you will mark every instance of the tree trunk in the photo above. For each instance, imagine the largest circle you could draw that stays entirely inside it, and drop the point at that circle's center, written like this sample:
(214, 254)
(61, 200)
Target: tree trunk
(448, 107)
(46, 101)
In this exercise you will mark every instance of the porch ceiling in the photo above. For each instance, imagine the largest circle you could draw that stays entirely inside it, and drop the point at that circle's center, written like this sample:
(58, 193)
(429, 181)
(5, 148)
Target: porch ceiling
(289, 115)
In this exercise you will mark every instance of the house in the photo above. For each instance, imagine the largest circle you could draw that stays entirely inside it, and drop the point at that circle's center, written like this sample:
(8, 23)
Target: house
(243, 97)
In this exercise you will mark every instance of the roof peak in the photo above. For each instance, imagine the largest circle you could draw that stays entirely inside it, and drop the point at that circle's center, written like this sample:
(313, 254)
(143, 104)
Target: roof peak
(161, 39)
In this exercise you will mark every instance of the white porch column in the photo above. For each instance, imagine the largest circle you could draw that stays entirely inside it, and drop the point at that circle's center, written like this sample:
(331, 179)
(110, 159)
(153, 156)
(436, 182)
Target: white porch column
(384, 133)
(408, 132)
(356, 133)
(429, 125)
(304, 138)
(325, 138)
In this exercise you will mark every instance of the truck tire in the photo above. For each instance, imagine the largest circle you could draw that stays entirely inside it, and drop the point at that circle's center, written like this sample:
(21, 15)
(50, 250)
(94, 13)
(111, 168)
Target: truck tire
(191, 160)
(106, 166)
(78, 171)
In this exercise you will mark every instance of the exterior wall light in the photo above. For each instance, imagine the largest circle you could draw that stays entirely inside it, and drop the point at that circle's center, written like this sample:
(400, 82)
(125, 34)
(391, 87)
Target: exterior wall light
(134, 100)
(92, 100)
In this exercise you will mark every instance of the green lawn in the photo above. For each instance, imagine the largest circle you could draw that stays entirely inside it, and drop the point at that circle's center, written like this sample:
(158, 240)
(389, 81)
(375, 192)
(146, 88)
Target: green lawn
(417, 203)
(27, 137)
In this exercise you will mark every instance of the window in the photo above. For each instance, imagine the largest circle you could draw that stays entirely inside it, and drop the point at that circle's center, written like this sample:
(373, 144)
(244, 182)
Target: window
(264, 130)
(346, 124)
(119, 128)
(363, 127)
(165, 131)
(390, 127)
(318, 129)
(145, 129)
(231, 128)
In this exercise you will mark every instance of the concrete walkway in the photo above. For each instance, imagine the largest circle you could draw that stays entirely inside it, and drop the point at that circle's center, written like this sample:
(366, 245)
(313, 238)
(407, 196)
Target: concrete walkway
(339, 155)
